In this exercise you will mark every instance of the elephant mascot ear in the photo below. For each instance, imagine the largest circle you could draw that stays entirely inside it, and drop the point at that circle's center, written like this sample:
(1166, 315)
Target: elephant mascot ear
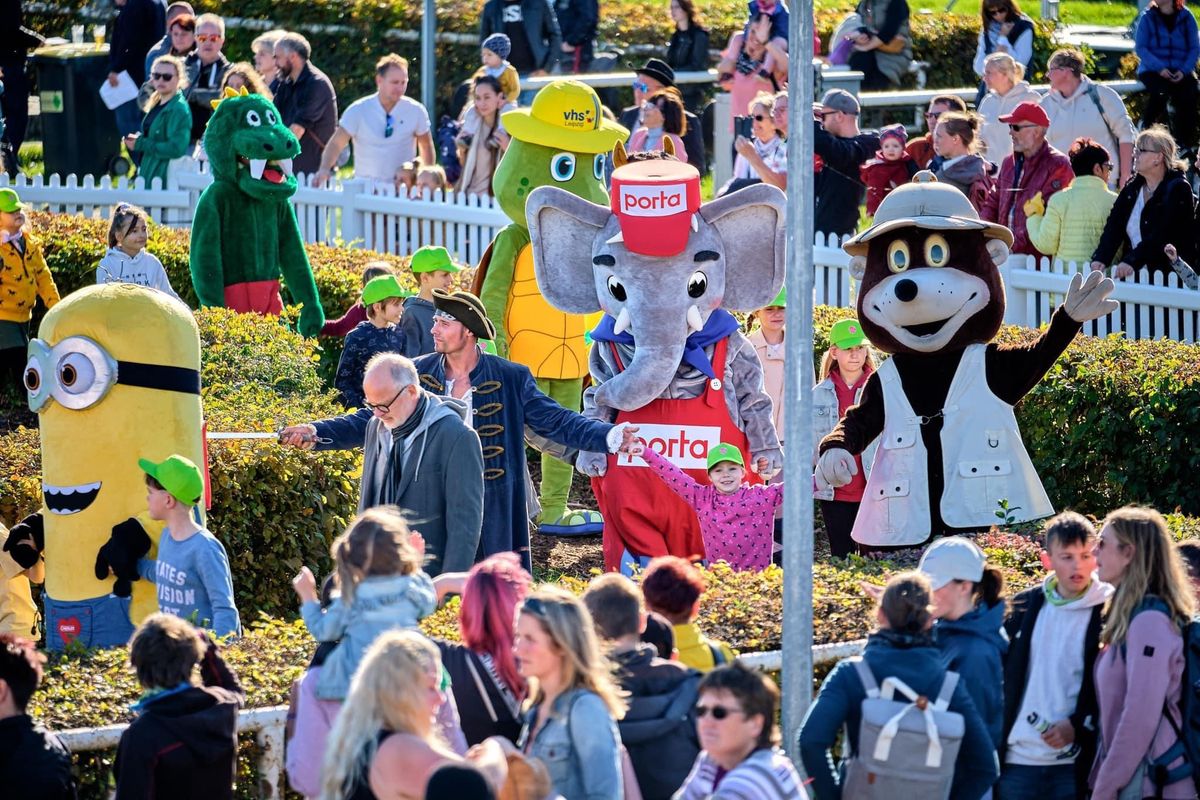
(751, 224)
(562, 229)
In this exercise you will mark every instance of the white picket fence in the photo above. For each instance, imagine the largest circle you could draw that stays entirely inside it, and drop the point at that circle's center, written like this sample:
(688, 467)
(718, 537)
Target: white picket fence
(359, 213)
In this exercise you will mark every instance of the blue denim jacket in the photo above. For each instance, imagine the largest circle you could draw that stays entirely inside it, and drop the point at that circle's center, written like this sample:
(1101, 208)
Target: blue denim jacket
(579, 746)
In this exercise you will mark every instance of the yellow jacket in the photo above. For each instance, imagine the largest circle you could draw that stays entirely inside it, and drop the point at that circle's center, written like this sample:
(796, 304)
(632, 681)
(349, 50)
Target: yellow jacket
(23, 277)
(695, 649)
(18, 614)
(1074, 219)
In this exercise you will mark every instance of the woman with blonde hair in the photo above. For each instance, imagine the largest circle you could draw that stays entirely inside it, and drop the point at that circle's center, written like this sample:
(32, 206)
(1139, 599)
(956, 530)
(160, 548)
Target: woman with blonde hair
(1140, 670)
(162, 139)
(954, 139)
(1004, 77)
(574, 702)
(385, 744)
(1153, 210)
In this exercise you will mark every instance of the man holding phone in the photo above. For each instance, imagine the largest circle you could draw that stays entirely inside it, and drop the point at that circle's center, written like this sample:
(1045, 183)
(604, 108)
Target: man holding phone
(840, 149)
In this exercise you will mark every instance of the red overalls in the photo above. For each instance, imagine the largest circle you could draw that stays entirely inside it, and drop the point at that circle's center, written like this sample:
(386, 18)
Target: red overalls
(641, 514)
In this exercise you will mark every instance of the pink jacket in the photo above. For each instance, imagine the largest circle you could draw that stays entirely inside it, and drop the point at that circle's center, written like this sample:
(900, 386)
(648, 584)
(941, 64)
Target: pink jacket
(637, 143)
(1046, 171)
(737, 528)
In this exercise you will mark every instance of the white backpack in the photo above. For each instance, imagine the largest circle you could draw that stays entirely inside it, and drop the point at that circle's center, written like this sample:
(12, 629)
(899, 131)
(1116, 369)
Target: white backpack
(905, 749)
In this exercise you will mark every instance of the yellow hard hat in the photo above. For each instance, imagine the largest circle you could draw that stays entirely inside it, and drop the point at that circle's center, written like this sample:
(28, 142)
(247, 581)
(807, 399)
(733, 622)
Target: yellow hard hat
(565, 115)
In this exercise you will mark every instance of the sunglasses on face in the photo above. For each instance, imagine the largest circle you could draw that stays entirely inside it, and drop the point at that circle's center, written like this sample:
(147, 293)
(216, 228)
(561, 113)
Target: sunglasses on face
(1019, 128)
(162, 76)
(382, 408)
(208, 37)
(388, 129)
(641, 86)
(760, 117)
(994, 11)
(718, 712)
(932, 114)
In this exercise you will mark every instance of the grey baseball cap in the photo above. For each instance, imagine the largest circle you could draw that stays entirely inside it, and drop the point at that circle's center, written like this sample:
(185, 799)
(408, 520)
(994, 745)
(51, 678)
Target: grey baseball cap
(840, 100)
(953, 558)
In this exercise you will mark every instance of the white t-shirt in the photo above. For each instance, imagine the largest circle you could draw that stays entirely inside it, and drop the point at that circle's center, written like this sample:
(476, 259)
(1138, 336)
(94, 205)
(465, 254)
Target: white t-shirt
(377, 156)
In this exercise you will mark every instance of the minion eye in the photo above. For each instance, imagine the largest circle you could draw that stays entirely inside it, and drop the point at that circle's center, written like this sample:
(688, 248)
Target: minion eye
(562, 167)
(937, 251)
(897, 256)
(33, 377)
(598, 167)
(83, 372)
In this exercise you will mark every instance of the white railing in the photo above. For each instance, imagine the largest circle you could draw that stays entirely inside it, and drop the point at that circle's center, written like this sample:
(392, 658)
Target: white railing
(267, 723)
(359, 213)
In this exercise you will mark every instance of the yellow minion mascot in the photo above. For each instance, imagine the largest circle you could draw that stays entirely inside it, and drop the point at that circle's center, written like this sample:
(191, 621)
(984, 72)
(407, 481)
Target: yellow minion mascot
(114, 376)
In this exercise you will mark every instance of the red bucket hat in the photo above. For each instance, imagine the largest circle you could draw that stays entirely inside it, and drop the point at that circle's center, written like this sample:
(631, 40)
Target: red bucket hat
(654, 203)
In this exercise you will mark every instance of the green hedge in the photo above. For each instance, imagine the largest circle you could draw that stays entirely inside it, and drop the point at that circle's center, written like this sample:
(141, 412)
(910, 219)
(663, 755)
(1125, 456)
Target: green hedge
(348, 57)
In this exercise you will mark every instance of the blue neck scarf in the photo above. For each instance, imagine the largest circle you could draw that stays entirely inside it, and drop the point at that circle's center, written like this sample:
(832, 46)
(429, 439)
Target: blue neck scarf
(720, 325)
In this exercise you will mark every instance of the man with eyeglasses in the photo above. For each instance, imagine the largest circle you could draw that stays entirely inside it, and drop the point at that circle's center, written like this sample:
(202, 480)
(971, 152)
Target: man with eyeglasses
(1077, 107)
(508, 410)
(656, 75)
(419, 453)
(1033, 168)
(840, 149)
(387, 128)
(206, 69)
(305, 99)
(920, 149)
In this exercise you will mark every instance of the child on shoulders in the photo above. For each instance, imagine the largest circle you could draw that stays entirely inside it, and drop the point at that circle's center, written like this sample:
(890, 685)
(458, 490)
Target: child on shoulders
(380, 333)
(191, 569)
(737, 521)
(493, 54)
(378, 564)
(127, 259)
(892, 166)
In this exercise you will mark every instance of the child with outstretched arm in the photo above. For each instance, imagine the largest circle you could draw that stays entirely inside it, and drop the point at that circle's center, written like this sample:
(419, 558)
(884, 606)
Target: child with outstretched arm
(737, 521)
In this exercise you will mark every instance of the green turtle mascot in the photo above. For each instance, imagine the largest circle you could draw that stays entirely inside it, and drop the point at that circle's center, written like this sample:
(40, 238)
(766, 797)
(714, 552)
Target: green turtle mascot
(561, 140)
(244, 230)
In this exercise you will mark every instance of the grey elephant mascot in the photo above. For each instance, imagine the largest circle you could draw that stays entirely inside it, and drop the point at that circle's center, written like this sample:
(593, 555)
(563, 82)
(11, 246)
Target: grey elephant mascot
(667, 356)
(949, 450)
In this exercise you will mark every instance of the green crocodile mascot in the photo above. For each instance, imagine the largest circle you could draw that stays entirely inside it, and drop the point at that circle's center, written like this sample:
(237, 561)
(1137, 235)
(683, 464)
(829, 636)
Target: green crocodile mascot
(244, 231)
(561, 140)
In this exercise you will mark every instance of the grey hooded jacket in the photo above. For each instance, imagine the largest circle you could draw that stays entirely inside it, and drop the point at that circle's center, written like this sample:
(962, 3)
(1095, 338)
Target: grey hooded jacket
(441, 485)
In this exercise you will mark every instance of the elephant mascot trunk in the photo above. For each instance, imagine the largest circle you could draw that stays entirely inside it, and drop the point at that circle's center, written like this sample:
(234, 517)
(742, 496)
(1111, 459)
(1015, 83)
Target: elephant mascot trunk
(666, 271)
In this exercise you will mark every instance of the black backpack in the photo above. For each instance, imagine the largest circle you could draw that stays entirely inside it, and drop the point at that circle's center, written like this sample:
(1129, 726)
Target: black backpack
(447, 150)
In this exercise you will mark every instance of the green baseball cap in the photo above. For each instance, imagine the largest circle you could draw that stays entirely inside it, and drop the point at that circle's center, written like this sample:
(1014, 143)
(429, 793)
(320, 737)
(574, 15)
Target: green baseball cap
(10, 201)
(432, 259)
(780, 299)
(847, 333)
(178, 475)
(382, 288)
(725, 452)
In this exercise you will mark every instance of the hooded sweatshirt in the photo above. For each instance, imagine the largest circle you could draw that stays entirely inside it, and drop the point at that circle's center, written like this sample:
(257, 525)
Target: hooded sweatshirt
(974, 646)
(436, 477)
(183, 744)
(144, 269)
(1055, 673)
(969, 174)
(659, 729)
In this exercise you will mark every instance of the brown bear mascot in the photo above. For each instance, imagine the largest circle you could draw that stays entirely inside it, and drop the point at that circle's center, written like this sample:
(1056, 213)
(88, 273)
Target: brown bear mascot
(930, 294)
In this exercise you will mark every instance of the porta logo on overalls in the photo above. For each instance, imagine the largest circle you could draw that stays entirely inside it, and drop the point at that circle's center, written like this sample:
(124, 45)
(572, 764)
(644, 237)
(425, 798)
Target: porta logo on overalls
(653, 201)
(685, 446)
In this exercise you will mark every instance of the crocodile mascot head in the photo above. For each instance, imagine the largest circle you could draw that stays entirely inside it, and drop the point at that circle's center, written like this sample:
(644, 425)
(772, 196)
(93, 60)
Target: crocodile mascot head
(248, 144)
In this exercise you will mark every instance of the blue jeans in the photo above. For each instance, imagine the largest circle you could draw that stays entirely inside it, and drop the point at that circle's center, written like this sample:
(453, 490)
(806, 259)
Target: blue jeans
(1023, 782)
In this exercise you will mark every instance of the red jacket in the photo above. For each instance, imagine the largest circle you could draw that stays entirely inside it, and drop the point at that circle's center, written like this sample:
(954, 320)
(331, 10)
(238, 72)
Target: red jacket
(1046, 171)
(882, 176)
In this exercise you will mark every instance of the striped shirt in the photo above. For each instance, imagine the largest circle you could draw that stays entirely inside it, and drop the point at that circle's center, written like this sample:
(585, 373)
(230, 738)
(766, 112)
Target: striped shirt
(765, 775)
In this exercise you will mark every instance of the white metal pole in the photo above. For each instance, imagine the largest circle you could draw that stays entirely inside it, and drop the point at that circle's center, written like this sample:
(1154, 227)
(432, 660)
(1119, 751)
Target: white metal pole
(428, 67)
(798, 370)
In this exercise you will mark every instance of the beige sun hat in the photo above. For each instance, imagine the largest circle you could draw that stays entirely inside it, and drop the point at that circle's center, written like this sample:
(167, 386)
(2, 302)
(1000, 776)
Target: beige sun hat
(926, 203)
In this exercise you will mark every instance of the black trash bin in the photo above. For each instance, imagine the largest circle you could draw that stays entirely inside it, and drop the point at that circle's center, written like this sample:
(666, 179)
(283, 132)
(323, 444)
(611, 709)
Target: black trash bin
(79, 132)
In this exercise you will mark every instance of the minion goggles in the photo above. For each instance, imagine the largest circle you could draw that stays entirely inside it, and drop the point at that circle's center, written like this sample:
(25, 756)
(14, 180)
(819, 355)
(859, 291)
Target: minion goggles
(77, 372)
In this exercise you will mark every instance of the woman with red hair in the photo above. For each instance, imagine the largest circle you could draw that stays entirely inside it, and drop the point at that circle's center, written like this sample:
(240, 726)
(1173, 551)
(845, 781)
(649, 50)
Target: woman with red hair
(487, 687)
(672, 586)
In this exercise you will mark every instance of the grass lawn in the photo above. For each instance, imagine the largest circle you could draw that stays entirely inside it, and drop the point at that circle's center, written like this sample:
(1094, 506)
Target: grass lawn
(1071, 12)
